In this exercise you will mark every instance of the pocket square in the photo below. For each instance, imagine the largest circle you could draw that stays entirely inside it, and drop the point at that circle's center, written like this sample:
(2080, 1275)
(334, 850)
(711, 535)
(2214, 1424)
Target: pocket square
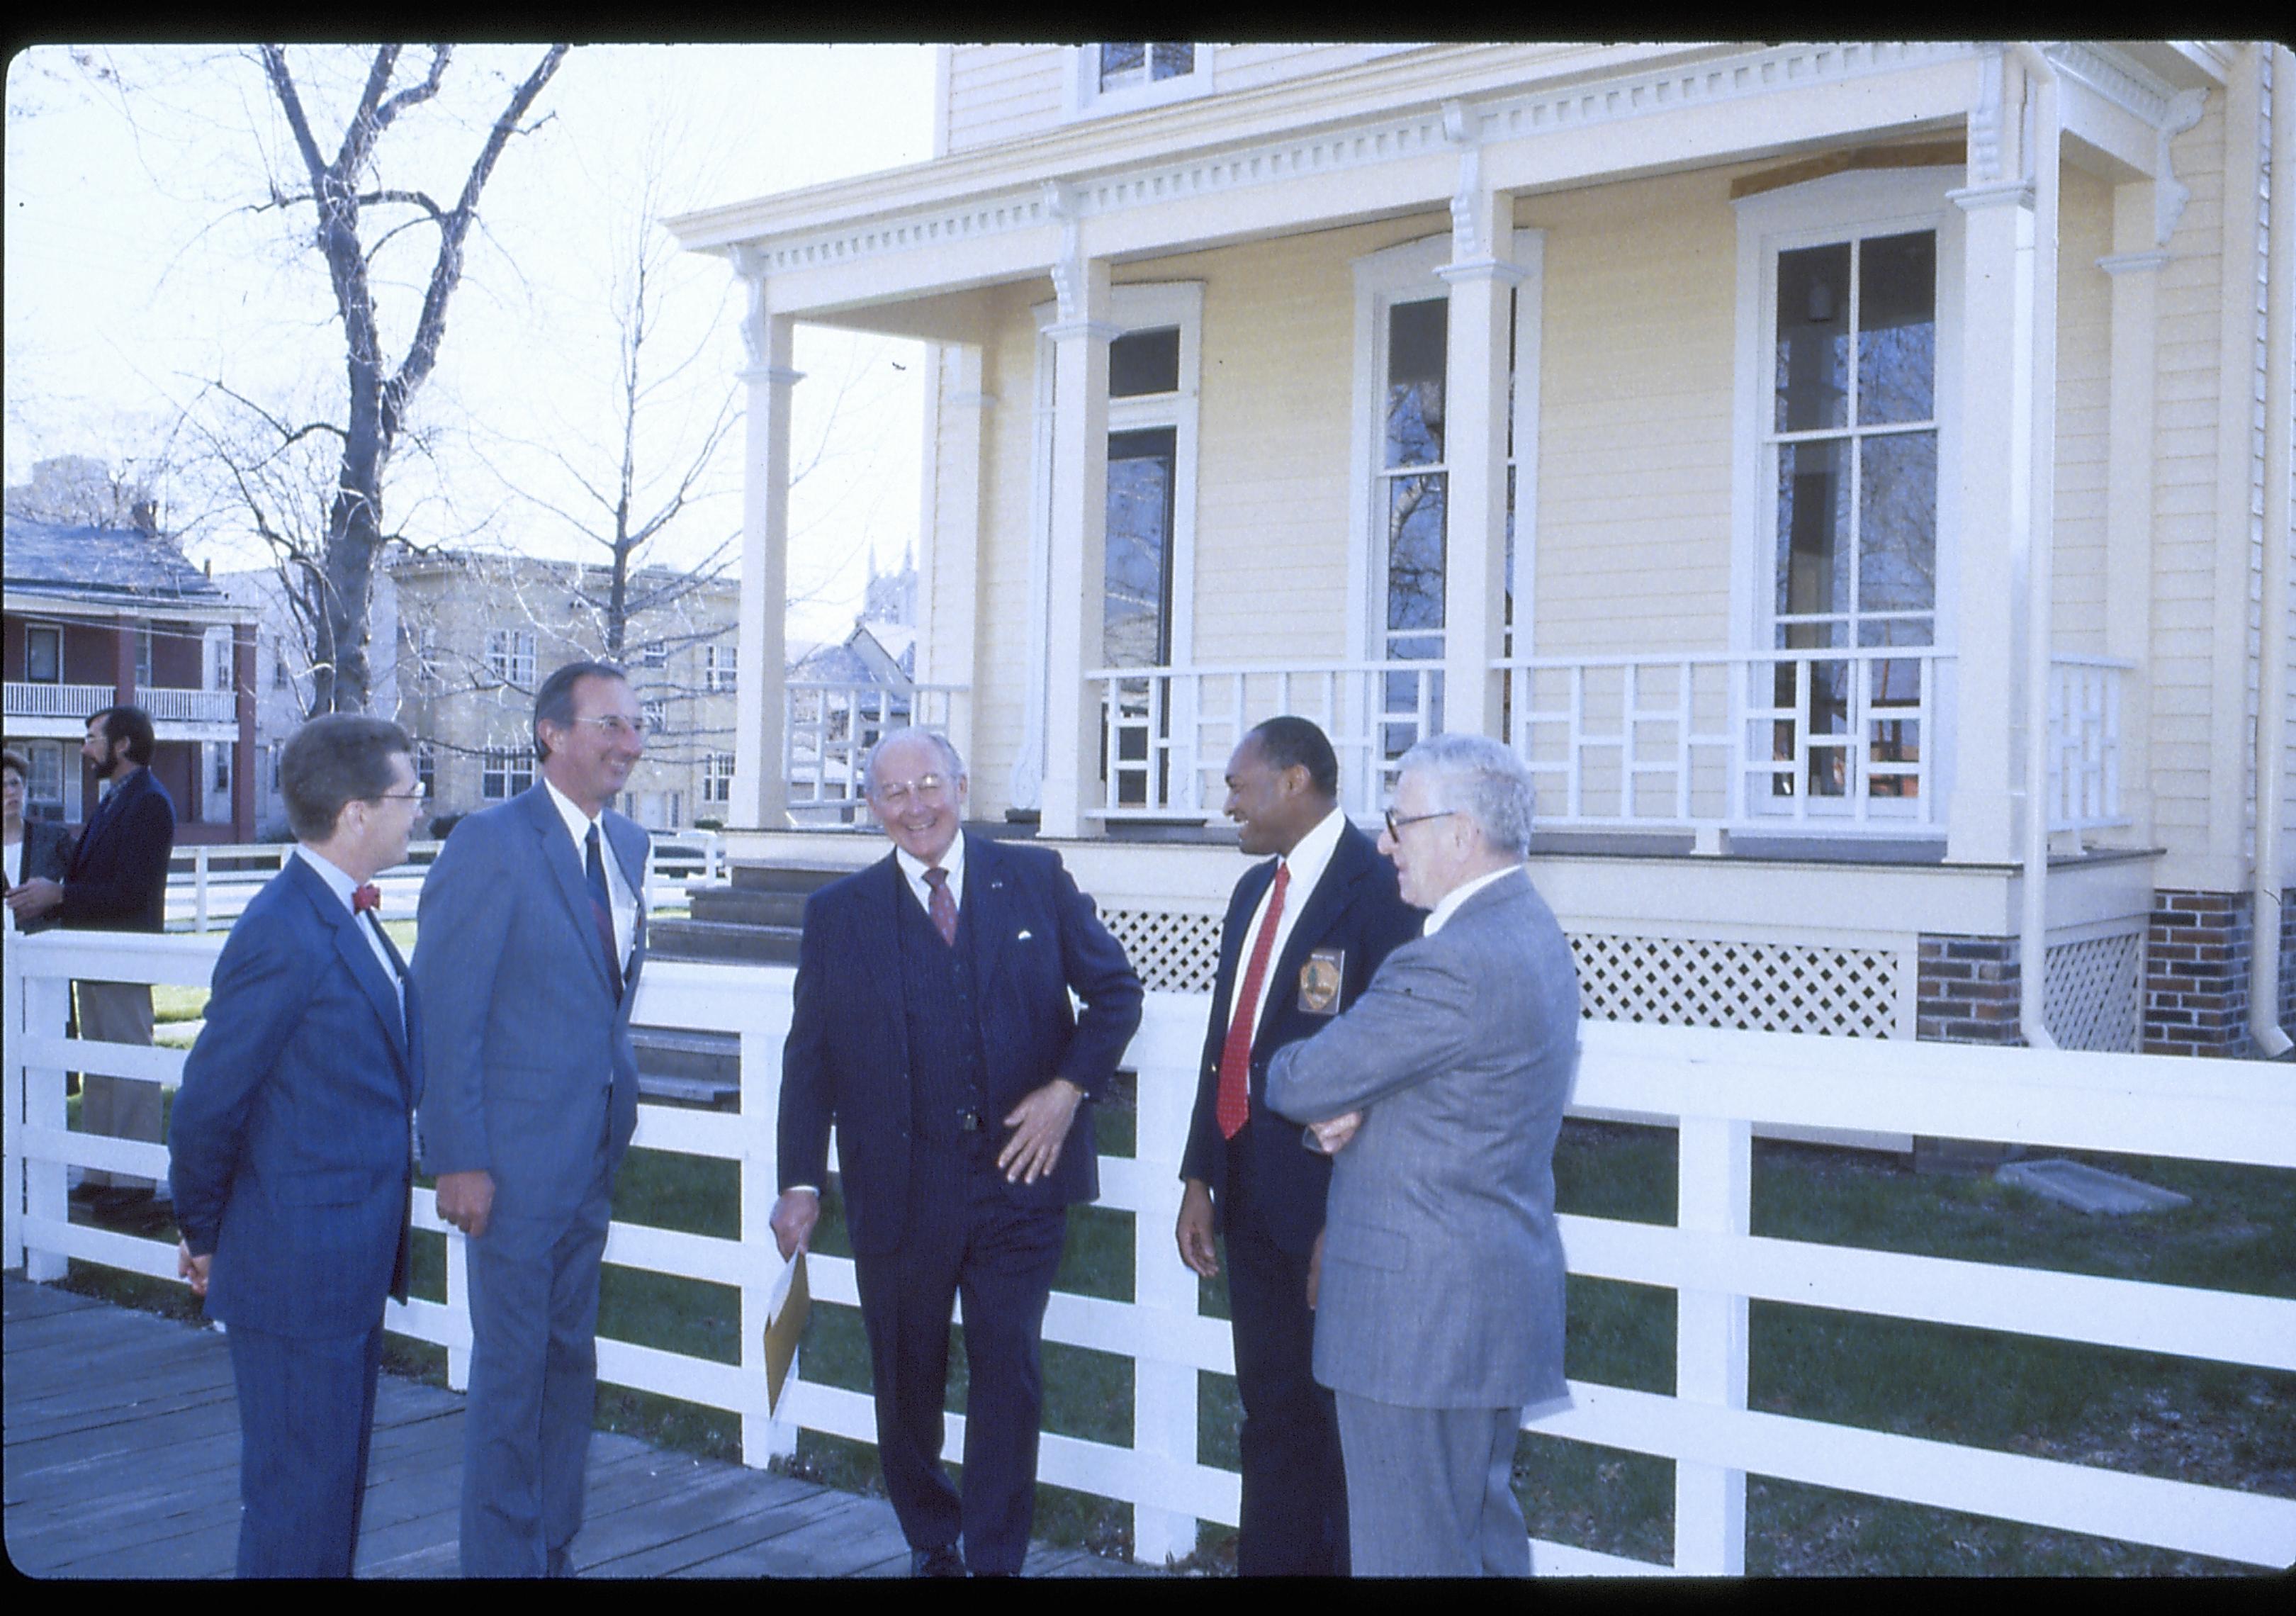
(1025, 935)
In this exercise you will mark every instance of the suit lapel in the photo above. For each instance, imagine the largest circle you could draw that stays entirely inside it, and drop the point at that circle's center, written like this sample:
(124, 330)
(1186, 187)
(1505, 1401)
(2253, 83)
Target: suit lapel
(98, 827)
(990, 907)
(351, 944)
(1319, 910)
(1248, 891)
(566, 871)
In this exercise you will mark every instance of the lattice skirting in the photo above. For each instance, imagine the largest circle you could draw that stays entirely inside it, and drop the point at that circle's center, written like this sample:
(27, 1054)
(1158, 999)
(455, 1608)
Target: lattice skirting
(1173, 953)
(1841, 990)
(2096, 991)
(2096, 984)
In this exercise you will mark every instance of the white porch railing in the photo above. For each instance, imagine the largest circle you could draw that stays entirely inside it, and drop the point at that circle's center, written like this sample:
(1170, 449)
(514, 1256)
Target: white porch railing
(1167, 731)
(167, 706)
(31, 701)
(209, 886)
(829, 729)
(2084, 743)
(1844, 742)
(1718, 1084)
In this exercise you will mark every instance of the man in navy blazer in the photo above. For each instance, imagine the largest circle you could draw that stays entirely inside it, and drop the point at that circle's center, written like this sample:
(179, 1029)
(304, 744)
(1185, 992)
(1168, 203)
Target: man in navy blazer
(291, 1147)
(1246, 1169)
(932, 1025)
(117, 882)
(532, 932)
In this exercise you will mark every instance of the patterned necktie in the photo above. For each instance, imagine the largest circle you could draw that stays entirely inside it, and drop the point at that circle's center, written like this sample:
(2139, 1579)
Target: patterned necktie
(943, 907)
(1235, 1105)
(601, 908)
(368, 897)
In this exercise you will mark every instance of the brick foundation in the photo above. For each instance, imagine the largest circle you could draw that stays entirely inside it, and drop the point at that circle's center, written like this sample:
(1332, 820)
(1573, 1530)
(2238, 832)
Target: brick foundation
(1966, 990)
(2196, 957)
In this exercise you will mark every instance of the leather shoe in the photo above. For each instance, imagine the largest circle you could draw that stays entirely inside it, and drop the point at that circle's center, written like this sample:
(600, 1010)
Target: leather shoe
(947, 1560)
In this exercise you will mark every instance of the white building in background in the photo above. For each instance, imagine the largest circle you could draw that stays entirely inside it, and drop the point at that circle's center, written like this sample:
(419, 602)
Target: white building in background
(1855, 476)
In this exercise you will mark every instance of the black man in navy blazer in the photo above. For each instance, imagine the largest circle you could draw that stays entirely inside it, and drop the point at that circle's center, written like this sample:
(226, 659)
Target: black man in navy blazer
(1247, 1172)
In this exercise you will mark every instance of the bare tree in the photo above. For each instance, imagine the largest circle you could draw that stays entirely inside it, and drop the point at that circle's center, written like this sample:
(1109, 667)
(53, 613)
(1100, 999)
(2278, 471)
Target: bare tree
(336, 583)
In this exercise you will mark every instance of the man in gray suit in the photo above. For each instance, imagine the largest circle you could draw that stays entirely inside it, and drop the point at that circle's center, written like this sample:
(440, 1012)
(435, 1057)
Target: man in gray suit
(532, 929)
(1439, 1324)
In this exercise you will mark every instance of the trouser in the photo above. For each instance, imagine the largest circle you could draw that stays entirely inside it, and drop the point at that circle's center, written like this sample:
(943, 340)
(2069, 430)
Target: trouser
(1293, 1521)
(534, 1386)
(306, 1412)
(1431, 1490)
(998, 1261)
(119, 1108)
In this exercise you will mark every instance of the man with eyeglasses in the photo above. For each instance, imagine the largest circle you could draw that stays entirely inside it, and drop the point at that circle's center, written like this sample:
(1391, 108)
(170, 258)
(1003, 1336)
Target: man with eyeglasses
(290, 1150)
(532, 931)
(932, 1025)
(1305, 931)
(1440, 1092)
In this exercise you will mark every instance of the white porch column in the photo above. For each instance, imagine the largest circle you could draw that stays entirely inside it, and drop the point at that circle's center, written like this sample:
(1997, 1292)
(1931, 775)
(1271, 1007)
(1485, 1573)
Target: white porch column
(1995, 510)
(1076, 572)
(760, 782)
(1482, 279)
(949, 563)
(2134, 265)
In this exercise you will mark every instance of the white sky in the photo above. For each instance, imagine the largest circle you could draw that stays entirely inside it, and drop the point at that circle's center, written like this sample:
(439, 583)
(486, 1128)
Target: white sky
(136, 273)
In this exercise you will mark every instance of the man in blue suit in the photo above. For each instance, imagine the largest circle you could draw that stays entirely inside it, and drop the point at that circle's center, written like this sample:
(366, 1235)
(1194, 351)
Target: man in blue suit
(1304, 933)
(290, 1150)
(933, 1024)
(532, 933)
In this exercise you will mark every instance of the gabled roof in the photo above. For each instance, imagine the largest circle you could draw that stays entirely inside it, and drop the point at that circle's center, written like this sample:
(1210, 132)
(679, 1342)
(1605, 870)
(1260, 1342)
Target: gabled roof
(101, 564)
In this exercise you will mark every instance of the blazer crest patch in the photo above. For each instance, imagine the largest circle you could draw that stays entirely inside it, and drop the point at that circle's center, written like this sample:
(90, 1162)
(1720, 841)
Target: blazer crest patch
(1319, 981)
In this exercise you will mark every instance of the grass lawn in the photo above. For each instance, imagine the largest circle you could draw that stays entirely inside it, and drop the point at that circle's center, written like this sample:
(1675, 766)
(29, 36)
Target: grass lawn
(2136, 1412)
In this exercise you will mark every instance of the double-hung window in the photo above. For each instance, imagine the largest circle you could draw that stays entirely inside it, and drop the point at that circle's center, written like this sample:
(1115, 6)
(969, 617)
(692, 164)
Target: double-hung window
(1847, 416)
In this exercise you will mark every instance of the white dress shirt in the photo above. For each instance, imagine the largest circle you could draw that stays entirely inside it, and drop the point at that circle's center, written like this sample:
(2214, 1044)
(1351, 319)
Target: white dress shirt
(342, 886)
(1306, 862)
(1450, 901)
(619, 898)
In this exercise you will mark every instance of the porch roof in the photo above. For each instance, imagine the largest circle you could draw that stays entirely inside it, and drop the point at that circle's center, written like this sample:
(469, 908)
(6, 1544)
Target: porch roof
(1379, 139)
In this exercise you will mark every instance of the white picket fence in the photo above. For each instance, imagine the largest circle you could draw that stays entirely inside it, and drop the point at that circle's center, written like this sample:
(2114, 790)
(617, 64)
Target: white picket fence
(1717, 1084)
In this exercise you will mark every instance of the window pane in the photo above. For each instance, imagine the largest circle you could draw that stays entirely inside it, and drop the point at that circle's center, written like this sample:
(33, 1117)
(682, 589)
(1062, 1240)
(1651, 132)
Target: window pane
(1173, 61)
(1897, 322)
(1143, 362)
(1415, 335)
(44, 655)
(1813, 377)
(1120, 62)
(1896, 523)
(1813, 552)
(1414, 552)
(1137, 624)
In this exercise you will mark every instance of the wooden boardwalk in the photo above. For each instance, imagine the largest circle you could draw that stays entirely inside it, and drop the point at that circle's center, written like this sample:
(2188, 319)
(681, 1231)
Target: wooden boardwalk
(122, 1460)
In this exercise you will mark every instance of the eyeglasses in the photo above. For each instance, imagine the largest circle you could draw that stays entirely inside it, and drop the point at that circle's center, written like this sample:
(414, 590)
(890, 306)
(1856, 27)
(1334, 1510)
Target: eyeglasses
(617, 725)
(928, 788)
(1395, 826)
(420, 791)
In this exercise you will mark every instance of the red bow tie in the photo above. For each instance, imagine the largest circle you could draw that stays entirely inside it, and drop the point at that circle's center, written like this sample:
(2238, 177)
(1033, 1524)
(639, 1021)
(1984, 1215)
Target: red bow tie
(367, 897)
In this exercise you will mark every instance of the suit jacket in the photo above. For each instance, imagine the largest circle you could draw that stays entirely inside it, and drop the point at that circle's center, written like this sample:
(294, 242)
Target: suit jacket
(117, 880)
(291, 1139)
(847, 1058)
(1443, 1275)
(48, 847)
(1354, 908)
(526, 1047)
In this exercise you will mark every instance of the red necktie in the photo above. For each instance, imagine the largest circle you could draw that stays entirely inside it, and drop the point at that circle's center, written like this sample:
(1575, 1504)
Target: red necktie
(943, 907)
(1235, 1055)
(368, 897)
